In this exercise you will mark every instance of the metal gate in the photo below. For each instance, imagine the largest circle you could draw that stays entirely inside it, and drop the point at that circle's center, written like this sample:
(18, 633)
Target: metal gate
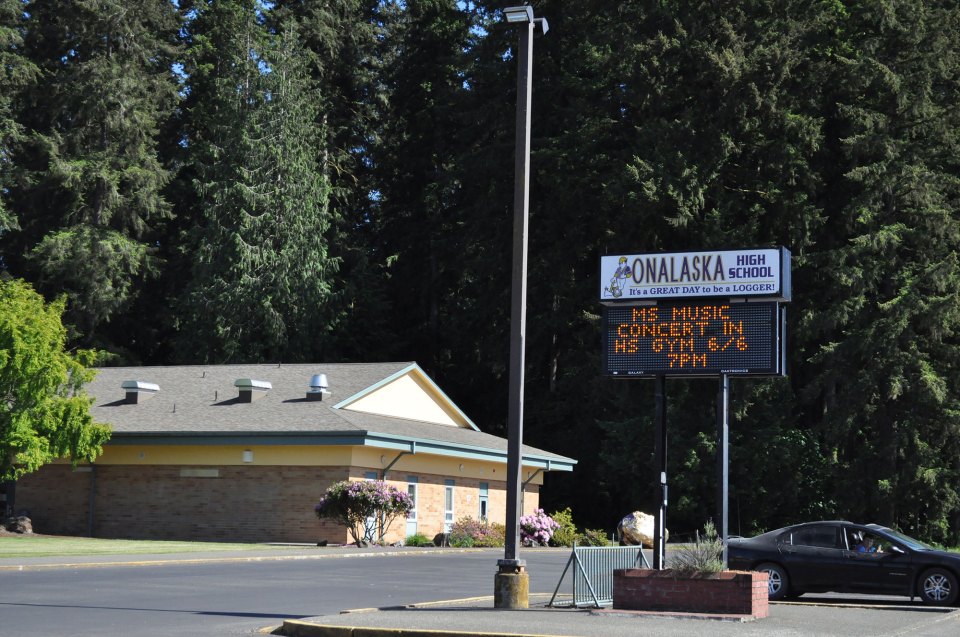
(593, 568)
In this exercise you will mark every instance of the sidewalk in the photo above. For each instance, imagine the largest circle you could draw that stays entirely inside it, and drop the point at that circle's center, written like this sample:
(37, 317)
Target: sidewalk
(478, 618)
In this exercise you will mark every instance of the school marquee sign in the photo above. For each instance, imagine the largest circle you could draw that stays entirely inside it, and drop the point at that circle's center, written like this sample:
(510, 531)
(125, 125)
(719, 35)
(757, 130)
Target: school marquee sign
(700, 313)
(759, 272)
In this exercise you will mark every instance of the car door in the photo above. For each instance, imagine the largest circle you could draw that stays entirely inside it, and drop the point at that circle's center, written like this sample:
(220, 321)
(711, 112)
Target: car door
(811, 554)
(885, 571)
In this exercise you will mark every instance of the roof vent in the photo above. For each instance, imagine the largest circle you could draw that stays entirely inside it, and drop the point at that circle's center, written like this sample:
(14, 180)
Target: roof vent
(138, 391)
(251, 389)
(318, 387)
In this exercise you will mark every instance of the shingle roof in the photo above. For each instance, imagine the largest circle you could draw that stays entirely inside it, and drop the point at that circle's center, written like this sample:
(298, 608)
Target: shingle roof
(201, 401)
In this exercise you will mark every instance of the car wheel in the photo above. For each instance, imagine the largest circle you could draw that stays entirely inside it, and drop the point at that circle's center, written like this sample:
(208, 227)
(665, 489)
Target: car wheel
(938, 587)
(779, 584)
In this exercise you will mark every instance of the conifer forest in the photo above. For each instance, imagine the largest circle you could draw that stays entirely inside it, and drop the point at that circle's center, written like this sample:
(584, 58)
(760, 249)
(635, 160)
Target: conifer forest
(214, 181)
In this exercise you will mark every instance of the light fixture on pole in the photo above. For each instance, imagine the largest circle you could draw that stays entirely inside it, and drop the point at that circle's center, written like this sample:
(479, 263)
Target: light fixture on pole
(512, 580)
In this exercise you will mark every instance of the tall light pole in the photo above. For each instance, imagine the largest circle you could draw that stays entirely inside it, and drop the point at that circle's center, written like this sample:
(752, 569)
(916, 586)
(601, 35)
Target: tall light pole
(511, 584)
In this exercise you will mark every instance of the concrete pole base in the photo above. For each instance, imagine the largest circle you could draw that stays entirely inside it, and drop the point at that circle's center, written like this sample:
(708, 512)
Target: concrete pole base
(511, 589)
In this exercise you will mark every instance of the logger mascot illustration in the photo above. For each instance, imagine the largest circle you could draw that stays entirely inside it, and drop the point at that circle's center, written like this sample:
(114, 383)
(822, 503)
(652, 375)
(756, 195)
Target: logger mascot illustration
(619, 278)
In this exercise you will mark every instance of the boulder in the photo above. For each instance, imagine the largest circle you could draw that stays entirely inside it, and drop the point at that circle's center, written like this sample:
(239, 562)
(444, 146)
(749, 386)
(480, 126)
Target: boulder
(638, 528)
(19, 524)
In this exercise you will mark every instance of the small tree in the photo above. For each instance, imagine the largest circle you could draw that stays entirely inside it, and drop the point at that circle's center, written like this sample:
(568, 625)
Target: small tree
(360, 506)
(44, 413)
(566, 531)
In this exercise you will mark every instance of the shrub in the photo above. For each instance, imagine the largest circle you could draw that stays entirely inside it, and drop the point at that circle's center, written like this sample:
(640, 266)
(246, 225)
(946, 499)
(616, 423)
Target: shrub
(593, 537)
(566, 532)
(418, 539)
(468, 532)
(700, 558)
(536, 529)
(360, 505)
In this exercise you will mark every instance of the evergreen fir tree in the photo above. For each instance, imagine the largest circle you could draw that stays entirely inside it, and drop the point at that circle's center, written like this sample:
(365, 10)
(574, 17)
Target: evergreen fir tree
(417, 181)
(16, 72)
(344, 43)
(92, 197)
(889, 276)
(261, 272)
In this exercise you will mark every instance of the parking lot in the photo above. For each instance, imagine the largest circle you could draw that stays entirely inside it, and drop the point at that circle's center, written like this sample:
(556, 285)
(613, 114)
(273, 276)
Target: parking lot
(241, 595)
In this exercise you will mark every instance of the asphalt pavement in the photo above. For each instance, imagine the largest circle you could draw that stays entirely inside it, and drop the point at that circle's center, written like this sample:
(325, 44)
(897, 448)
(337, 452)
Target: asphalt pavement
(812, 615)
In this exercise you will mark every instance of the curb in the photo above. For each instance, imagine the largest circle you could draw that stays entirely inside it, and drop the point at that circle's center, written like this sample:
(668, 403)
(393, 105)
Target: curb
(301, 628)
(719, 617)
(297, 628)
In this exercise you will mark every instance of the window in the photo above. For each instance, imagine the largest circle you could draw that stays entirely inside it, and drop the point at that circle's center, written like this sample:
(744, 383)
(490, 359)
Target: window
(372, 522)
(412, 492)
(447, 505)
(412, 483)
(820, 536)
(484, 495)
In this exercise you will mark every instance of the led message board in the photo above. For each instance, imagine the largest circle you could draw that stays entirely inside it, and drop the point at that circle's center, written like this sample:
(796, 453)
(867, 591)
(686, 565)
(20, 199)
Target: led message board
(694, 339)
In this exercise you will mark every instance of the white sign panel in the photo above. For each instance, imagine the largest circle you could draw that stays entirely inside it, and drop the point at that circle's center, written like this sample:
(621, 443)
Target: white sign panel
(763, 272)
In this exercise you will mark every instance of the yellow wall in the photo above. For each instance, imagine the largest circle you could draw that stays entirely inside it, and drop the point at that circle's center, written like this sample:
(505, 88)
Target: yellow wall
(308, 456)
(408, 397)
(294, 455)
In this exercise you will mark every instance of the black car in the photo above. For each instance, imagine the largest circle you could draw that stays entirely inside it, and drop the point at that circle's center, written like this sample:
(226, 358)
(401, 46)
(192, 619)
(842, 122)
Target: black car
(839, 556)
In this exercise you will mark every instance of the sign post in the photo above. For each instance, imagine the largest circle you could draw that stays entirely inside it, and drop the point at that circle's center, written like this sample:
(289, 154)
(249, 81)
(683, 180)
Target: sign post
(723, 462)
(660, 451)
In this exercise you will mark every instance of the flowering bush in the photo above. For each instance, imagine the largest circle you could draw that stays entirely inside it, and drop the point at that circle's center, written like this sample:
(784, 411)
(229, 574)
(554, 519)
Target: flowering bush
(467, 532)
(536, 529)
(360, 506)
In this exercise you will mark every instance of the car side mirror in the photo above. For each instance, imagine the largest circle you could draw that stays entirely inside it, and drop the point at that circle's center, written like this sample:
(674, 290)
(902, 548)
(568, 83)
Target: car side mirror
(896, 549)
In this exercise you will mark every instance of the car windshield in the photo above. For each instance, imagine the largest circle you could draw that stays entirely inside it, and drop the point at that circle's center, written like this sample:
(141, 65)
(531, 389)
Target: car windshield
(911, 543)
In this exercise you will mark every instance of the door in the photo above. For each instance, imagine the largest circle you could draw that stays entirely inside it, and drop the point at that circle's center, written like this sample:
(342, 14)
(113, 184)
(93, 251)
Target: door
(872, 565)
(813, 555)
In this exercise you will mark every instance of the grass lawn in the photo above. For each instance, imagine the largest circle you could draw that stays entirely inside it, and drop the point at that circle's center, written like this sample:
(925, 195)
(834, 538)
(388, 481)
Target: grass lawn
(49, 545)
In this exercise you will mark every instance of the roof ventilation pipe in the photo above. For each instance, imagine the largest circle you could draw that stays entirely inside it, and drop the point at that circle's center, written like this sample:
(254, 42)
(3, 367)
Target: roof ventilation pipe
(138, 391)
(318, 387)
(251, 390)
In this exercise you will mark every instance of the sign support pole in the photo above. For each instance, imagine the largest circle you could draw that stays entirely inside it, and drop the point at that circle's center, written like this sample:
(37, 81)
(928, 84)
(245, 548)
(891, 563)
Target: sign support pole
(723, 462)
(660, 451)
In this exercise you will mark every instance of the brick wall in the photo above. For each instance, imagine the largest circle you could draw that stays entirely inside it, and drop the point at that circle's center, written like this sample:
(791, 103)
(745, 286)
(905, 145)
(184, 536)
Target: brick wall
(243, 503)
(466, 502)
(248, 503)
(729, 592)
(57, 500)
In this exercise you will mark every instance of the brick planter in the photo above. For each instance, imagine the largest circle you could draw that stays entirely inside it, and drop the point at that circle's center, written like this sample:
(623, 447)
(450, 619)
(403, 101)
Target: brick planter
(726, 593)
